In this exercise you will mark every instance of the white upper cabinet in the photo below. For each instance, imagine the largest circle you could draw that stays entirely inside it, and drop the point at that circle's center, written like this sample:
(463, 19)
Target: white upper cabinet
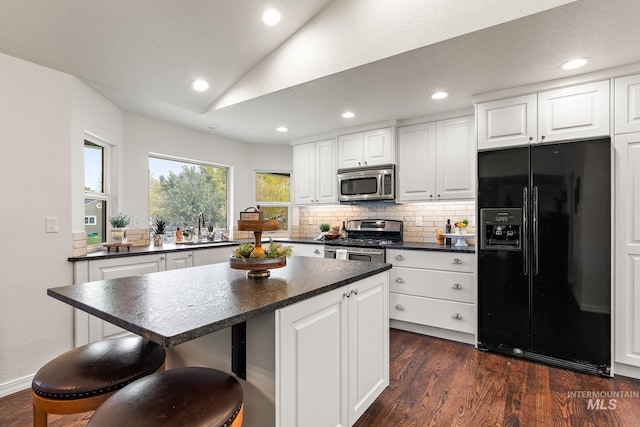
(375, 147)
(574, 112)
(627, 104)
(455, 158)
(507, 122)
(315, 173)
(416, 162)
(436, 161)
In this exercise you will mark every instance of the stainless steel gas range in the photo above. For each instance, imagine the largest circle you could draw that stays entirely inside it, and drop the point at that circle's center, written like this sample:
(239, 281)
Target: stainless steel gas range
(366, 240)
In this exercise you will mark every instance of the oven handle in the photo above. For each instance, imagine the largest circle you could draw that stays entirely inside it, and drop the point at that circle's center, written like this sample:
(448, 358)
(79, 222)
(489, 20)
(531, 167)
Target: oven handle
(357, 252)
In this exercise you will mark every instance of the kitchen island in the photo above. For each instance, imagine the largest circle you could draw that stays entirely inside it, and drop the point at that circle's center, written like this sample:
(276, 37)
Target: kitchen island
(316, 331)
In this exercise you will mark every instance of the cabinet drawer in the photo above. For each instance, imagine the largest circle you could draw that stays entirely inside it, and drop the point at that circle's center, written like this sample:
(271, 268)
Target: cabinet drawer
(457, 316)
(432, 283)
(451, 261)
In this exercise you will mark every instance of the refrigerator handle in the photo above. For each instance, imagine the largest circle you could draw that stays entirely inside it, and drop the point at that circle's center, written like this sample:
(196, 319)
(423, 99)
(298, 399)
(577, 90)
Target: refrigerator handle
(535, 230)
(523, 232)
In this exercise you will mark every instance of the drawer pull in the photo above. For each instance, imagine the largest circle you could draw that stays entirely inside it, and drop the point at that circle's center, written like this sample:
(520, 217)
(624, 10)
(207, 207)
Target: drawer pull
(399, 257)
(456, 316)
(399, 280)
(346, 294)
(456, 261)
(399, 307)
(456, 286)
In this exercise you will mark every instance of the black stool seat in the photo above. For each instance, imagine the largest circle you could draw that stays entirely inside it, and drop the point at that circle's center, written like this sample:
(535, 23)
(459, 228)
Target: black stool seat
(98, 368)
(182, 397)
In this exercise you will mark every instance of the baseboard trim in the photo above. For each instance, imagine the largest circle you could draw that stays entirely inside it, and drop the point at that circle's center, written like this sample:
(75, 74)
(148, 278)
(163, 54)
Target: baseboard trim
(433, 331)
(626, 370)
(15, 386)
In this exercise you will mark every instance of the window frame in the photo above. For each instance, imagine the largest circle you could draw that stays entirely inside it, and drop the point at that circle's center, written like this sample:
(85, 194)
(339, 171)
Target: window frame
(198, 163)
(105, 195)
(289, 205)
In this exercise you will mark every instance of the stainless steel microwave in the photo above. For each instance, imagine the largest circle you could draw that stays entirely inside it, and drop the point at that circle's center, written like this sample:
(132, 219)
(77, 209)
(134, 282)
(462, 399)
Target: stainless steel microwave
(367, 184)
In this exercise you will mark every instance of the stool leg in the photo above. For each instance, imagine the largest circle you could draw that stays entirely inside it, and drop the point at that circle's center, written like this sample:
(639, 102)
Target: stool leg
(39, 416)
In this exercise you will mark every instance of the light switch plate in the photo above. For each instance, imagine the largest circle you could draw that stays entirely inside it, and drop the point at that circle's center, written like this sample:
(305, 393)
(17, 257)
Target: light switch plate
(52, 224)
(418, 221)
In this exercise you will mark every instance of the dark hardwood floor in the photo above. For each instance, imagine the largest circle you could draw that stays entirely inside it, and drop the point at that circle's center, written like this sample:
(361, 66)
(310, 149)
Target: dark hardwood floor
(435, 382)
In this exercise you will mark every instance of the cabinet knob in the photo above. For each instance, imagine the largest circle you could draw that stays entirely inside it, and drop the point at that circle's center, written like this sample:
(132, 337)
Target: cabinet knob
(399, 307)
(365, 163)
(456, 286)
(438, 195)
(354, 292)
(346, 294)
(456, 261)
(530, 138)
(190, 255)
(542, 138)
(399, 257)
(399, 280)
(162, 257)
(456, 316)
(316, 251)
(359, 164)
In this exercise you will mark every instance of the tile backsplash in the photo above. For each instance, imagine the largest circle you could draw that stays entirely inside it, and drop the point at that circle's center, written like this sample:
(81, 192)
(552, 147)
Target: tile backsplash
(432, 214)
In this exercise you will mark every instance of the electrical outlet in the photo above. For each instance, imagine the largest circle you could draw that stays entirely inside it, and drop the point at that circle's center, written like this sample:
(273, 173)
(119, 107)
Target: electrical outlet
(310, 221)
(52, 224)
(418, 221)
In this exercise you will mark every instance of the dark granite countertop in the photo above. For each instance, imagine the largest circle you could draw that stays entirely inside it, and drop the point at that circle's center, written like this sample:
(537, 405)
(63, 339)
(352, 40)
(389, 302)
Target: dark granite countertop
(172, 247)
(172, 307)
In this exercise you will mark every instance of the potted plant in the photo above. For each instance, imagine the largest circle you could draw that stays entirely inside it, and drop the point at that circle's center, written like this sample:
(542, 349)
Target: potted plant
(158, 232)
(119, 225)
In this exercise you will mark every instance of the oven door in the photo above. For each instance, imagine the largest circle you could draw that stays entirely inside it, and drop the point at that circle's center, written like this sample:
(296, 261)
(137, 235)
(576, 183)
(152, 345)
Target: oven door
(356, 254)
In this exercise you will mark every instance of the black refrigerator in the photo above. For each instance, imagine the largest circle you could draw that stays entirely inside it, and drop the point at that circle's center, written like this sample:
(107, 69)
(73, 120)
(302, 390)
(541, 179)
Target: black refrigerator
(544, 256)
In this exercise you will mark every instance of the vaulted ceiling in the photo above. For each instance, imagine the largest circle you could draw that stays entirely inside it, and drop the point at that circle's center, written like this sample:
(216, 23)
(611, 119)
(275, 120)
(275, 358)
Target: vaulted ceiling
(381, 59)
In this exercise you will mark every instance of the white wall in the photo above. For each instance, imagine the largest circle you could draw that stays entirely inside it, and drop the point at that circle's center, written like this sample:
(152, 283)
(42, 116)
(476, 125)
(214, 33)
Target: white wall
(35, 177)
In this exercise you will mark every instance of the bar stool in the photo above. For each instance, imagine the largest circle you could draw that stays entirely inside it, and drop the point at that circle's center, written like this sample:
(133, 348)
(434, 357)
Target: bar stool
(180, 397)
(81, 379)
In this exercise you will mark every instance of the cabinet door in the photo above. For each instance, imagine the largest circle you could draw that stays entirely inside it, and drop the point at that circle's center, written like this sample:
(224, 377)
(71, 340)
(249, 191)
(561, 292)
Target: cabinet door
(310, 250)
(304, 174)
(416, 162)
(627, 104)
(115, 268)
(507, 122)
(627, 260)
(326, 171)
(455, 158)
(311, 362)
(574, 112)
(212, 256)
(368, 342)
(378, 147)
(182, 259)
(350, 149)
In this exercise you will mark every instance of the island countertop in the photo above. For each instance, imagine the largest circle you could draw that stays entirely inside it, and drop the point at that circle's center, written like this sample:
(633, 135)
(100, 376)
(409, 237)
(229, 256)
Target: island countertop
(172, 307)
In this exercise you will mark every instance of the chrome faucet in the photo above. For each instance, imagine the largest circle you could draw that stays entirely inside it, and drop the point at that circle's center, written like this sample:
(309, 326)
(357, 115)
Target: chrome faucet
(201, 225)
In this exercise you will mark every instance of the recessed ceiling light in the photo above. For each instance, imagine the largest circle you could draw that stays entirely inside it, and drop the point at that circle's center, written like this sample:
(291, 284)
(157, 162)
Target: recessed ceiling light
(212, 126)
(271, 17)
(574, 63)
(439, 95)
(348, 115)
(282, 129)
(200, 85)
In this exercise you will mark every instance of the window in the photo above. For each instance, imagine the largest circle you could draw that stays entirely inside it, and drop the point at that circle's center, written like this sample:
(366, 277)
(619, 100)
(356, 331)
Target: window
(180, 190)
(273, 196)
(96, 196)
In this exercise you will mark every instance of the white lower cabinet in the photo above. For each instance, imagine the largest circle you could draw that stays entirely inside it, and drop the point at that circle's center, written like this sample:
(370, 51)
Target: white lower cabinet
(89, 328)
(333, 355)
(177, 260)
(433, 293)
(310, 250)
(212, 255)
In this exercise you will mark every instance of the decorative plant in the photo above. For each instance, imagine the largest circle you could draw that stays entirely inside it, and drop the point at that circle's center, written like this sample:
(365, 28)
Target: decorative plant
(120, 221)
(160, 227)
(325, 227)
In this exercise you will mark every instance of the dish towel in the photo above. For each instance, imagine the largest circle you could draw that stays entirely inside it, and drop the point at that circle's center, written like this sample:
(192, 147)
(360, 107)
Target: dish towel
(341, 254)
